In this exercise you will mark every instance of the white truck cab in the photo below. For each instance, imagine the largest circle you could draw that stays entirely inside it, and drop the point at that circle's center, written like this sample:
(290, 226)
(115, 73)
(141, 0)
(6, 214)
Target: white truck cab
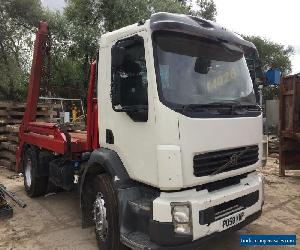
(180, 133)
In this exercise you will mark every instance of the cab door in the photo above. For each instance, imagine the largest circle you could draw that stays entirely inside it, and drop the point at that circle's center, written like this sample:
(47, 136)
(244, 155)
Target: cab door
(127, 118)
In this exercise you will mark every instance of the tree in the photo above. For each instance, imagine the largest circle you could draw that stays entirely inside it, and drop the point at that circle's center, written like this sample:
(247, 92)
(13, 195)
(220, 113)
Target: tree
(75, 37)
(17, 20)
(203, 8)
(273, 55)
(66, 65)
(108, 15)
(89, 19)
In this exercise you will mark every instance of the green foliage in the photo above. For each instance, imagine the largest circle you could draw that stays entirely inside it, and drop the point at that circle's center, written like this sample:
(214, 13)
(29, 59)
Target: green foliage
(75, 35)
(66, 65)
(273, 55)
(87, 20)
(204, 8)
(25, 13)
(17, 20)
(270, 93)
(108, 15)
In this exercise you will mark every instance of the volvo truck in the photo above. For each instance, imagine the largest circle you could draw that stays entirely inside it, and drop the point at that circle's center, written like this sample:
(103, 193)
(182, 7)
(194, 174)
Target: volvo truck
(172, 141)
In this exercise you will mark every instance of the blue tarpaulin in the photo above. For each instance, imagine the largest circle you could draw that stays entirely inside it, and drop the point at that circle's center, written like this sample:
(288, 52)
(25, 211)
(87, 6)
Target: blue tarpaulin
(273, 76)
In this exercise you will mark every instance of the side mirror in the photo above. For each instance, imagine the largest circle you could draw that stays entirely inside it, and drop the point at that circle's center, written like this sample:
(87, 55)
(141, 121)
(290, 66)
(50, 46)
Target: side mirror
(138, 115)
(202, 65)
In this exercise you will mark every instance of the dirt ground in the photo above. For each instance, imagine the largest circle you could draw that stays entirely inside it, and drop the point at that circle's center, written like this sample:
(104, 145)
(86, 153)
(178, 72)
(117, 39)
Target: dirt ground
(54, 222)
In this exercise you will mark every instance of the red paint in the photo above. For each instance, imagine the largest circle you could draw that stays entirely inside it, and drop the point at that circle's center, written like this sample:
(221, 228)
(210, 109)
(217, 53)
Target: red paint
(92, 111)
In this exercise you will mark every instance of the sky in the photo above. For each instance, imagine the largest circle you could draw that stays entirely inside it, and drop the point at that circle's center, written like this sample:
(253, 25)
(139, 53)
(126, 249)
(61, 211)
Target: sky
(274, 20)
(54, 4)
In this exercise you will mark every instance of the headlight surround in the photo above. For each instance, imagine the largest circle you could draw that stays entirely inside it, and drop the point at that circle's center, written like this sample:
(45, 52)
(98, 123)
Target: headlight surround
(182, 217)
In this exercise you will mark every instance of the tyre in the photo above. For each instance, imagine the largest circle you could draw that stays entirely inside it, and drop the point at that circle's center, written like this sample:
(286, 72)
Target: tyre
(106, 215)
(34, 184)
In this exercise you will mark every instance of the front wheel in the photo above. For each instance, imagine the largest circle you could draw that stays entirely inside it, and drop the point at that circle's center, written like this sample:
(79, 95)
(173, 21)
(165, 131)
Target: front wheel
(106, 215)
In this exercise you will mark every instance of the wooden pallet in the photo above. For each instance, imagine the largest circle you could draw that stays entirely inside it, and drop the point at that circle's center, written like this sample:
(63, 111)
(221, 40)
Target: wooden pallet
(11, 115)
(8, 164)
(13, 138)
(3, 138)
(3, 129)
(3, 104)
(3, 112)
(7, 121)
(47, 113)
(8, 155)
(10, 146)
(13, 128)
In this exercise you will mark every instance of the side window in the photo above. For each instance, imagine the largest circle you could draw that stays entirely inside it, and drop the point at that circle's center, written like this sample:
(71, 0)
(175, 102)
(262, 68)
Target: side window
(129, 75)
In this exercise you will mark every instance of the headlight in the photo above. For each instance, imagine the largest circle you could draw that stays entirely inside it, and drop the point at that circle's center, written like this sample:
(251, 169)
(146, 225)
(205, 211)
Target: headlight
(181, 216)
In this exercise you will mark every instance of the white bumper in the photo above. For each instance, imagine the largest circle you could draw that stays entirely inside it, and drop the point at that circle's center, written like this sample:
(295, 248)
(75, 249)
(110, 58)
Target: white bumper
(201, 200)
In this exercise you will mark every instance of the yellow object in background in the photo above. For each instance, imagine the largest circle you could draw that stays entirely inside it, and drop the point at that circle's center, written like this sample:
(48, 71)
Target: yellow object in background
(74, 111)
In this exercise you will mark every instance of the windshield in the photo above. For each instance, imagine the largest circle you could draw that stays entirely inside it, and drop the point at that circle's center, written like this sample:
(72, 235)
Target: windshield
(193, 70)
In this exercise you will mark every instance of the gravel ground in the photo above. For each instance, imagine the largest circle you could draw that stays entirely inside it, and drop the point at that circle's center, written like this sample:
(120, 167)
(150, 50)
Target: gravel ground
(54, 222)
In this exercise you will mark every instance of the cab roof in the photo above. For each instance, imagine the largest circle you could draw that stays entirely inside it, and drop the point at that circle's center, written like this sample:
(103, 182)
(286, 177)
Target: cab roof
(183, 24)
(198, 27)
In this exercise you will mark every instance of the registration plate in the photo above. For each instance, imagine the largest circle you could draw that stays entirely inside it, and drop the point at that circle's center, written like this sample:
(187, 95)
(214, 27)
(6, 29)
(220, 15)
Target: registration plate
(232, 220)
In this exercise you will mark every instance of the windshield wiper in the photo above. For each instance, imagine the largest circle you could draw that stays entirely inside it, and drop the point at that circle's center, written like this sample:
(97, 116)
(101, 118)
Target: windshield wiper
(206, 106)
(198, 107)
(226, 103)
(230, 107)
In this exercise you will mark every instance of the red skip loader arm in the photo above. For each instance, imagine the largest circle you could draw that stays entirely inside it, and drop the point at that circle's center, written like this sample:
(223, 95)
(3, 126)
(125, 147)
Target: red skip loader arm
(92, 111)
(50, 136)
(40, 48)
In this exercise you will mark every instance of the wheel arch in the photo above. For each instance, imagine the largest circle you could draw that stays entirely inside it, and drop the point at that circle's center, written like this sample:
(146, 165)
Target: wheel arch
(101, 160)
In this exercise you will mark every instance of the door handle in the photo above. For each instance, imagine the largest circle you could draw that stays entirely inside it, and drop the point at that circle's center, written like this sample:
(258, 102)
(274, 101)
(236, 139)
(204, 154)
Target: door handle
(109, 136)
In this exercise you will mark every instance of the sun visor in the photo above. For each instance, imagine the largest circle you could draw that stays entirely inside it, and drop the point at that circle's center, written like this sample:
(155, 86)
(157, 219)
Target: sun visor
(198, 27)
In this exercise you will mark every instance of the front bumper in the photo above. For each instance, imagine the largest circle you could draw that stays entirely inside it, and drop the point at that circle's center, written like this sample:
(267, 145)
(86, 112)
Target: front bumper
(248, 193)
(146, 244)
(198, 243)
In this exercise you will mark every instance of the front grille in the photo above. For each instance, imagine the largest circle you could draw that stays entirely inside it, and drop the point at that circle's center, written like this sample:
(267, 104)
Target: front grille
(224, 160)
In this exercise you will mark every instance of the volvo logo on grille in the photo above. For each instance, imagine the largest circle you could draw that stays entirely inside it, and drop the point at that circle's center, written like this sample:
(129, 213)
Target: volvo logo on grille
(234, 159)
